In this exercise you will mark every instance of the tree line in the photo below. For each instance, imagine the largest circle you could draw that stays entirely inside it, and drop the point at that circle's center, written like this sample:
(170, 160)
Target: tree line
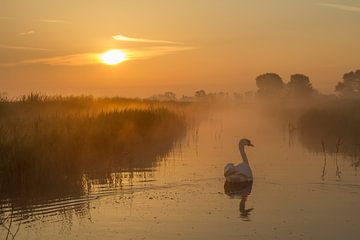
(271, 85)
(299, 85)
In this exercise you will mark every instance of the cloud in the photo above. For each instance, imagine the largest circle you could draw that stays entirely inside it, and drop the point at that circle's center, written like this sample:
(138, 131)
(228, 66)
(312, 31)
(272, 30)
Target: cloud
(151, 52)
(27, 33)
(94, 58)
(38, 20)
(91, 58)
(8, 64)
(140, 40)
(52, 21)
(67, 60)
(340, 7)
(23, 48)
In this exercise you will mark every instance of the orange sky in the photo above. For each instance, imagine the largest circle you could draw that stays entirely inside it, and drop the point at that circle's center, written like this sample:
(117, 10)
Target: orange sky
(177, 45)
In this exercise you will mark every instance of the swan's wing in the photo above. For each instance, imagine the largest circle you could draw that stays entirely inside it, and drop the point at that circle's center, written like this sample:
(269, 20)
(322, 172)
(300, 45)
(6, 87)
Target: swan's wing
(229, 169)
(237, 178)
(244, 169)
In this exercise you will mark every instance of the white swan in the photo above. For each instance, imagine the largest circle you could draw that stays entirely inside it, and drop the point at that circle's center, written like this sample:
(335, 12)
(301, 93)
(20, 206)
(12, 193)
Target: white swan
(241, 172)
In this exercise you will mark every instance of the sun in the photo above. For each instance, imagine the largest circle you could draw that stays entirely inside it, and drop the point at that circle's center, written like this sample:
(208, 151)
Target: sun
(113, 57)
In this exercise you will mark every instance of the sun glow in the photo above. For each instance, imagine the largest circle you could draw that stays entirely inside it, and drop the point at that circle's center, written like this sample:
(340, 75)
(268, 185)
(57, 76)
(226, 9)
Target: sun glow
(113, 57)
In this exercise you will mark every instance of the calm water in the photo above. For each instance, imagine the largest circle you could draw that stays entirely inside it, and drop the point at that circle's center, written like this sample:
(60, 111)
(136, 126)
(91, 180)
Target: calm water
(183, 195)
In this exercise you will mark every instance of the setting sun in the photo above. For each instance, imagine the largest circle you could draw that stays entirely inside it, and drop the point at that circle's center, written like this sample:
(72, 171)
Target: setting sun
(113, 57)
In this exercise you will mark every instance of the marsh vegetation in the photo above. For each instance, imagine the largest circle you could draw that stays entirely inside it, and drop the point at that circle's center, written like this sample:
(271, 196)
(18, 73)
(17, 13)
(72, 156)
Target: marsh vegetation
(48, 145)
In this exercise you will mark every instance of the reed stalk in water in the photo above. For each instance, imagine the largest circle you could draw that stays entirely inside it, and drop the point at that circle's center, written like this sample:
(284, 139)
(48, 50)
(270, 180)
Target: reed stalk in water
(338, 171)
(325, 161)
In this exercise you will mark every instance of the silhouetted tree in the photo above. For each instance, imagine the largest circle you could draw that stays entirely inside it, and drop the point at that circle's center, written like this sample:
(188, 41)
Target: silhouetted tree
(300, 86)
(3, 97)
(200, 94)
(350, 86)
(170, 96)
(167, 96)
(269, 84)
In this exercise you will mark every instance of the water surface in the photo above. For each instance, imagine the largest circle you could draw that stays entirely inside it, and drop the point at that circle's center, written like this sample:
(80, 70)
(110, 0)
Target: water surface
(182, 196)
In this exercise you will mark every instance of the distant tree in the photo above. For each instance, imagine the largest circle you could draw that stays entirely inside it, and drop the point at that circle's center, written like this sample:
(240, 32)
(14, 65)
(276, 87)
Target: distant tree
(170, 96)
(238, 96)
(186, 99)
(350, 86)
(249, 94)
(200, 94)
(3, 97)
(269, 84)
(299, 86)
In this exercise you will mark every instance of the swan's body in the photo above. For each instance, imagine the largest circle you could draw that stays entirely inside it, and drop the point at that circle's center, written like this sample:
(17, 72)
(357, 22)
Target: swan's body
(238, 173)
(241, 172)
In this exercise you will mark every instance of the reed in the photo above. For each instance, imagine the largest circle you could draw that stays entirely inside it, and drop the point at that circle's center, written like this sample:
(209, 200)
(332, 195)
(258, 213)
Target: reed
(325, 160)
(336, 120)
(48, 144)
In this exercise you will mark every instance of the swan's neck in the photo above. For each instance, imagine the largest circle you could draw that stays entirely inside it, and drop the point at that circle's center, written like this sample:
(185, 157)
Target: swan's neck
(243, 154)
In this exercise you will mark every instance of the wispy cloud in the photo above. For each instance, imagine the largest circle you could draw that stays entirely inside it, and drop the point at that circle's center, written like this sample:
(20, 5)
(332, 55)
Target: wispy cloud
(140, 40)
(38, 20)
(23, 48)
(52, 21)
(67, 60)
(31, 32)
(152, 52)
(90, 58)
(340, 7)
(94, 58)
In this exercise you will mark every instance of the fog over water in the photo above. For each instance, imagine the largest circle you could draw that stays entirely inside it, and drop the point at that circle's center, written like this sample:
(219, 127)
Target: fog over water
(183, 194)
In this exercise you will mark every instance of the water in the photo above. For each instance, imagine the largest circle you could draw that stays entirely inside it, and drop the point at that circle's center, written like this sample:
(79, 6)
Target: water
(183, 195)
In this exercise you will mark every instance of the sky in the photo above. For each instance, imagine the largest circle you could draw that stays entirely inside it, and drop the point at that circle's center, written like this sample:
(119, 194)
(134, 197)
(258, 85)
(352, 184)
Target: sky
(53, 46)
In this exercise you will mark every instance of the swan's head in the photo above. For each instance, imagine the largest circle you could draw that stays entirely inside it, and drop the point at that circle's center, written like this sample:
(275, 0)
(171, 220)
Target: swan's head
(245, 142)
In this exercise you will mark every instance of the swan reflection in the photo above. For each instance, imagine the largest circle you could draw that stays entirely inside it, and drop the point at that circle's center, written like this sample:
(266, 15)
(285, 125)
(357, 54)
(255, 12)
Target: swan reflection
(242, 190)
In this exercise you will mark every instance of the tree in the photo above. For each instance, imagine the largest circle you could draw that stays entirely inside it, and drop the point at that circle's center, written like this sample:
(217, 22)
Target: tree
(170, 96)
(200, 94)
(350, 86)
(269, 84)
(299, 86)
(3, 97)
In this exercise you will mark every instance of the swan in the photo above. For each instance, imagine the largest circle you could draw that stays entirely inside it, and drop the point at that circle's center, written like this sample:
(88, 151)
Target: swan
(241, 172)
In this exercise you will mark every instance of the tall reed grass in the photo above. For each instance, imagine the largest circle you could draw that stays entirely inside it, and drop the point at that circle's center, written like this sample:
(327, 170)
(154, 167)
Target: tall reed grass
(48, 144)
(336, 120)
